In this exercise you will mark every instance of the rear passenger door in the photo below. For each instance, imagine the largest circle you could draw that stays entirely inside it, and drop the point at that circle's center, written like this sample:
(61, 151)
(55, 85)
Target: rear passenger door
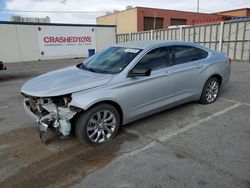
(187, 64)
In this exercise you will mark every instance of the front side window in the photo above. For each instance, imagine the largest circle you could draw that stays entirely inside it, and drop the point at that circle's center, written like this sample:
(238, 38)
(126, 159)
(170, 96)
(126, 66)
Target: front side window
(110, 61)
(185, 54)
(155, 59)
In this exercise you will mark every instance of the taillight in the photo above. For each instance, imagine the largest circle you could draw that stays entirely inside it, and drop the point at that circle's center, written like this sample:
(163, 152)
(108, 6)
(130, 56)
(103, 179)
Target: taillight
(230, 61)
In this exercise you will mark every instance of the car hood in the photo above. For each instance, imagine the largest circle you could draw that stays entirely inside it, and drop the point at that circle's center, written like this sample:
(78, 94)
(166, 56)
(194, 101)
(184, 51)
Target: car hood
(64, 81)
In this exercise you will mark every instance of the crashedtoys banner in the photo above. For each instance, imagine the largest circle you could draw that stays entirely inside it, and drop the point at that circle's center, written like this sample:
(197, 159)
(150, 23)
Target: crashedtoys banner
(66, 41)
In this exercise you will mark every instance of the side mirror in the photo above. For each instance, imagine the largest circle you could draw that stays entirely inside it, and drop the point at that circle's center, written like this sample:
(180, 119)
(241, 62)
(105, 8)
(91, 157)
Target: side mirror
(139, 72)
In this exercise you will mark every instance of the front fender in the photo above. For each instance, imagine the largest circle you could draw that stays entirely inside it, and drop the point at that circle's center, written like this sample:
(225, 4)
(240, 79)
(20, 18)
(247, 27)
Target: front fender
(85, 100)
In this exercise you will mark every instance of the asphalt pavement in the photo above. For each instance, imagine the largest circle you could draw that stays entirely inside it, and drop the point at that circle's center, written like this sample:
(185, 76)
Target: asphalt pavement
(191, 145)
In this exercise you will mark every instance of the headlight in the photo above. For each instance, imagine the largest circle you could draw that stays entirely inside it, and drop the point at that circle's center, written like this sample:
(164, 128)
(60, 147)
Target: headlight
(62, 101)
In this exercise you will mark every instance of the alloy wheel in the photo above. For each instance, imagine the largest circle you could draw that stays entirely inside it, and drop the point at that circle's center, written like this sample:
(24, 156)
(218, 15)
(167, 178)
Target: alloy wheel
(101, 126)
(212, 91)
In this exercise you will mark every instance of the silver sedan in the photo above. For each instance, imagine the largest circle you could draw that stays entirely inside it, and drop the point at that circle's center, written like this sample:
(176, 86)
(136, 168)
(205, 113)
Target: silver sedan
(121, 84)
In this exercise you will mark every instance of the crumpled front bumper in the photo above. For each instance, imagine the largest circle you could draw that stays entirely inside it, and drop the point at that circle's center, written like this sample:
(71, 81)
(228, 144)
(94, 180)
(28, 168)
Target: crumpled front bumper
(42, 128)
(28, 111)
(57, 117)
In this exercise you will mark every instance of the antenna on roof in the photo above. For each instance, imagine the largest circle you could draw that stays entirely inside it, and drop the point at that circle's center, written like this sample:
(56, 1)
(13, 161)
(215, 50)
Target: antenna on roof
(198, 6)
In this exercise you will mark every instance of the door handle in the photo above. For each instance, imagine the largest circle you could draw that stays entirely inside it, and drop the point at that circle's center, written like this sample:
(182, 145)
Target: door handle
(168, 73)
(199, 66)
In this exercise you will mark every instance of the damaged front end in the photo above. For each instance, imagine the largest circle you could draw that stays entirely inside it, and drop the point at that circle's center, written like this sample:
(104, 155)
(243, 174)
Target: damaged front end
(51, 113)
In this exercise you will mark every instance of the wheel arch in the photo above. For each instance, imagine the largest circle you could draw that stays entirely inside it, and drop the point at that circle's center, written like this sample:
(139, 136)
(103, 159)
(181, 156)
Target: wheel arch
(112, 103)
(201, 96)
(218, 76)
(106, 101)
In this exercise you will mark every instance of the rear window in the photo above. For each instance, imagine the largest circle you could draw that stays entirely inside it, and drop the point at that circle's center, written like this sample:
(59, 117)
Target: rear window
(185, 54)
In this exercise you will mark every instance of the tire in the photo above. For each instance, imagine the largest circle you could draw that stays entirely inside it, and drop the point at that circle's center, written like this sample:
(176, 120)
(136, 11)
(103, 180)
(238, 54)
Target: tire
(210, 91)
(97, 125)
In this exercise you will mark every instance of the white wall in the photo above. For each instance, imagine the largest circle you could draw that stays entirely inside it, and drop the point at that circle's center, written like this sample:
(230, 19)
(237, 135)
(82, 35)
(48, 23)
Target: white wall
(28, 43)
(9, 49)
(20, 42)
(104, 37)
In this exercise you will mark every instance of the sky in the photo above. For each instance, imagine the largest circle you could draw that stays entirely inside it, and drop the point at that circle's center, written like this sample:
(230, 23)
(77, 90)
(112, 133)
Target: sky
(90, 9)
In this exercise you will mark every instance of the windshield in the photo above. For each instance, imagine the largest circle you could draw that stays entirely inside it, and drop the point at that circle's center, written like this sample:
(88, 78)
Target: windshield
(110, 61)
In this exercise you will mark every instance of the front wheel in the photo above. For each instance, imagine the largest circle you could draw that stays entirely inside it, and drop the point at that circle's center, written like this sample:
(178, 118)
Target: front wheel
(98, 125)
(210, 91)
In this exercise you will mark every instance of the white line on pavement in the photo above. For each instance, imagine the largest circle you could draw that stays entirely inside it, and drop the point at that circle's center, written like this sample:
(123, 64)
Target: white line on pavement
(228, 100)
(136, 151)
(234, 101)
(182, 130)
(246, 104)
(192, 125)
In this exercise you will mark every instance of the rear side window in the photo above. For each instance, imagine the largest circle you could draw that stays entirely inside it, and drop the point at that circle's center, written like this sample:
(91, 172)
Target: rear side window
(202, 53)
(155, 59)
(185, 54)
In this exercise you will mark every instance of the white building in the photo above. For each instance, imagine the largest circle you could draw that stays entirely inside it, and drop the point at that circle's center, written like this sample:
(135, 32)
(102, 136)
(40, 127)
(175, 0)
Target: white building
(29, 19)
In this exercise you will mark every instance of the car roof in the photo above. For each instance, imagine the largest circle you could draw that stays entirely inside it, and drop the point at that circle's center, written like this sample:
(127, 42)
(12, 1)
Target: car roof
(151, 43)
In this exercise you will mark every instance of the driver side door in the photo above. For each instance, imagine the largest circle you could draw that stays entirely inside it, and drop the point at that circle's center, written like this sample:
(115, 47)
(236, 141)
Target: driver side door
(148, 94)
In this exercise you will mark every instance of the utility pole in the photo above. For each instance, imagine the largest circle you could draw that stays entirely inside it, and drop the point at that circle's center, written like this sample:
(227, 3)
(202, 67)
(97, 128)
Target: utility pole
(198, 6)
(154, 24)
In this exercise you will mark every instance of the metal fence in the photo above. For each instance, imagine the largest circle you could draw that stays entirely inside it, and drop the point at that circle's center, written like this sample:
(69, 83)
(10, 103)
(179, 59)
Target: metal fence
(232, 37)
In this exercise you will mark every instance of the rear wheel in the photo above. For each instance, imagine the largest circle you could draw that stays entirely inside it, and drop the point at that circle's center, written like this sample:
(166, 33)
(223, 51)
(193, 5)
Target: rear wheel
(98, 125)
(210, 91)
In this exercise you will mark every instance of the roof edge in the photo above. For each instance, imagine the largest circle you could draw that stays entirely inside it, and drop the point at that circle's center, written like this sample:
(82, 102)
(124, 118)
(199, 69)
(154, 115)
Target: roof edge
(139, 7)
(54, 24)
(116, 12)
(232, 10)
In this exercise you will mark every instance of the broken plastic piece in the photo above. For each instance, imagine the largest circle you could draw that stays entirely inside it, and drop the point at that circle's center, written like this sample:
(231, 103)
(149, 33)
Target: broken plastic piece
(42, 135)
